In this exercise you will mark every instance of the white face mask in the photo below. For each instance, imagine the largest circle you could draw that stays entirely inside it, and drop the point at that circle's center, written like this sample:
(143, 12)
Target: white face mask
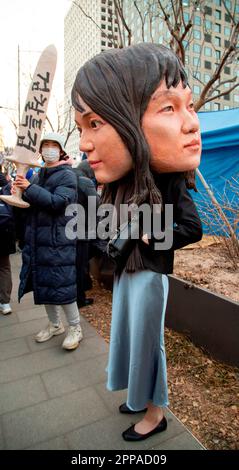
(51, 154)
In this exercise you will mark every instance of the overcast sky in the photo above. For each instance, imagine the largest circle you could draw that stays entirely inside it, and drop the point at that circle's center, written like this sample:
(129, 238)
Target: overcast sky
(32, 25)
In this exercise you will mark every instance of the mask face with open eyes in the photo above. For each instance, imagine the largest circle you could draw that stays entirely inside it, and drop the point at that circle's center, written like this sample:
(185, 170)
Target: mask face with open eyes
(107, 154)
(171, 127)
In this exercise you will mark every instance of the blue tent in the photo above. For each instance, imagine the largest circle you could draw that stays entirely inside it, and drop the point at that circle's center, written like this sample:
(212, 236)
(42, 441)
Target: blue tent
(219, 164)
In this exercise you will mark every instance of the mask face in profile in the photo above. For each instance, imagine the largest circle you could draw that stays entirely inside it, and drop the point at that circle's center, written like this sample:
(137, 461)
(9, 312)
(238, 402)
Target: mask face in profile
(51, 154)
(171, 127)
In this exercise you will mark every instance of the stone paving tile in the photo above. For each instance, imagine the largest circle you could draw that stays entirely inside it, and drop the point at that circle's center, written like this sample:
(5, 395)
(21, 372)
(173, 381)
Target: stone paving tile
(112, 400)
(21, 329)
(90, 347)
(47, 420)
(59, 443)
(106, 434)
(21, 393)
(6, 320)
(75, 377)
(14, 294)
(31, 314)
(55, 342)
(88, 329)
(184, 441)
(2, 442)
(13, 348)
(35, 363)
(16, 261)
(25, 303)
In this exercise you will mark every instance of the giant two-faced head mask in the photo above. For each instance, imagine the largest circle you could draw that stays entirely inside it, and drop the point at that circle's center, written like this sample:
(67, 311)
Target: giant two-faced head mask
(134, 105)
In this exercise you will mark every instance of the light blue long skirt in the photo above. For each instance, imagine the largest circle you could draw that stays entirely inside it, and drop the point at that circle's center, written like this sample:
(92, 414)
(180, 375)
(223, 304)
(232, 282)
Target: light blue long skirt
(137, 359)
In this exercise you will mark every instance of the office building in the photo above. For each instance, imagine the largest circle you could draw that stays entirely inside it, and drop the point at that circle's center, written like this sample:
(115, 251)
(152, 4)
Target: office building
(84, 37)
(204, 44)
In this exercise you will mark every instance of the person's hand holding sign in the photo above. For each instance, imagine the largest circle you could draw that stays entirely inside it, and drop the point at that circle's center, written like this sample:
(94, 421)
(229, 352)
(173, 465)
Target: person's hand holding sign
(21, 182)
(25, 154)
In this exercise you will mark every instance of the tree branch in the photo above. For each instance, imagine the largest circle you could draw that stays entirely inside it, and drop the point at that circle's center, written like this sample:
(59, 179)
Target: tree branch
(92, 19)
(122, 18)
(69, 134)
(50, 124)
(142, 20)
(226, 92)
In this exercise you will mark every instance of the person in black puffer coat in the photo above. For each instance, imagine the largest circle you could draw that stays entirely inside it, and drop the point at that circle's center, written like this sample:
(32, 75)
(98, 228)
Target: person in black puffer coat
(7, 247)
(86, 189)
(3, 180)
(49, 257)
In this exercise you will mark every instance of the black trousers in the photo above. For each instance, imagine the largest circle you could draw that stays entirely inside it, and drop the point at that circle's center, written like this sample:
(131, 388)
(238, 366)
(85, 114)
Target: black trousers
(84, 282)
(5, 280)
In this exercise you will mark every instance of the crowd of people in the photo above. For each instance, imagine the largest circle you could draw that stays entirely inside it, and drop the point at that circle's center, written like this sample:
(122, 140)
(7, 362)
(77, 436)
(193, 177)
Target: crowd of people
(138, 128)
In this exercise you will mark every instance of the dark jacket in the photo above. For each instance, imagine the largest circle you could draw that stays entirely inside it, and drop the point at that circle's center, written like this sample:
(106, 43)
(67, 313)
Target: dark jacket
(49, 257)
(84, 169)
(3, 180)
(7, 229)
(86, 189)
(187, 227)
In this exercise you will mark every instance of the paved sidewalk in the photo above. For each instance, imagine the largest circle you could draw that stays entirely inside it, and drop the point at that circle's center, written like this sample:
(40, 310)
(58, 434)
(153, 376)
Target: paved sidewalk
(55, 399)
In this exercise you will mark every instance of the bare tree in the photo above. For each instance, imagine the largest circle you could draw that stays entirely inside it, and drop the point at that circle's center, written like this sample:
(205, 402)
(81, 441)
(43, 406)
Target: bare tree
(213, 217)
(69, 124)
(123, 27)
(172, 14)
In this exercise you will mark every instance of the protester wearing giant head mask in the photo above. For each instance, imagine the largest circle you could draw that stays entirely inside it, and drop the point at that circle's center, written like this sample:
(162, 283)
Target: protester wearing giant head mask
(138, 127)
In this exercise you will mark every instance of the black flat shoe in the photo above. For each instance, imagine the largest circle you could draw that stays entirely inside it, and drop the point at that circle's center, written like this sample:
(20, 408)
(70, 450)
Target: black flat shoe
(124, 409)
(131, 435)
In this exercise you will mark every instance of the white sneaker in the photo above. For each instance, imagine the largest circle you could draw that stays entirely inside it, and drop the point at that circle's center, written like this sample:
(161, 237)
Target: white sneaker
(73, 337)
(50, 331)
(5, 308)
